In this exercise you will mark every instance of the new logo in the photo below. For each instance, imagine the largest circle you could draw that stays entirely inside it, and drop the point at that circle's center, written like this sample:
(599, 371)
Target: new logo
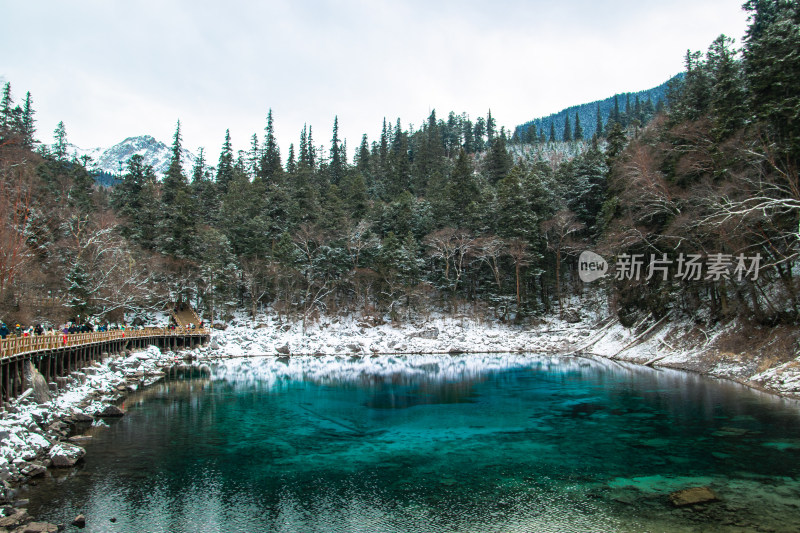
(591, 266)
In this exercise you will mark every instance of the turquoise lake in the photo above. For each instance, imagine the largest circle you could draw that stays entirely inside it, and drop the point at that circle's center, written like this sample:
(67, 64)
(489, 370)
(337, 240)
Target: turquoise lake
(477, 443)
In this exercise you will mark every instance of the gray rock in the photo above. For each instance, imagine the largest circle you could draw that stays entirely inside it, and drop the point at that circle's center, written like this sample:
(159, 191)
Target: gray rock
(692, 496)
(41, 390)
(79, 522)
(111, 411)
(33, 470)
(283, 349)
(571, 316)
(79, 417)
(65, 455)
(429, 333)
(19, 518)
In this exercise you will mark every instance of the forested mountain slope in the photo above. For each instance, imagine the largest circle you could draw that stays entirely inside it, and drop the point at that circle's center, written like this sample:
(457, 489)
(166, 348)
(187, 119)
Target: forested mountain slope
(446, 216)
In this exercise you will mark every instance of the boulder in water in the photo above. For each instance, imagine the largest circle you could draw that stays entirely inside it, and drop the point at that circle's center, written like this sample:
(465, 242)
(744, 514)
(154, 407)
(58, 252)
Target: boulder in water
(79, 522)
(692, 496)
(111, 411)
(64, 455)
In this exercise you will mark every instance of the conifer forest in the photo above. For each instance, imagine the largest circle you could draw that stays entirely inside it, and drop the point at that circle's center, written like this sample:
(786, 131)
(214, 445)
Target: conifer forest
(457, 215)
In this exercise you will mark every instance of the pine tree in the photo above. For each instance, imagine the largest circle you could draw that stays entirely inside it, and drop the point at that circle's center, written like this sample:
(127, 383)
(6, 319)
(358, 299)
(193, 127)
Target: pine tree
(638, 111)
(696, 90)
(616, 116)
(480, 131)
(174, 180)
(303, 160)
(468, 132)
(362, 157)
(430, 154)
(462, 189)
(135, 201)
(81, 193)
(728, 93)
(578, 129)
(399, 164)
(205, 193)
(628, 110)
(78, 290)
(383, 152)
(515, 216)
(271, 166)
(6, 104)
(225, 165)
(772, 68)
(490, 127)
(616, 143)
(312, 151)
(179, 211)
(254, 156)
(28, 129)
(291, 163)
(60, 142)
(336, 167)
(242, 218)
(498, 161)
(567, 136)
(552, 132)
(354, 193)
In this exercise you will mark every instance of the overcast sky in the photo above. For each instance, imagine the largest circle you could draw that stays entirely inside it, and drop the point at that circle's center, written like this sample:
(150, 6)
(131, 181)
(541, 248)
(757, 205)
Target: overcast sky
(114, 69)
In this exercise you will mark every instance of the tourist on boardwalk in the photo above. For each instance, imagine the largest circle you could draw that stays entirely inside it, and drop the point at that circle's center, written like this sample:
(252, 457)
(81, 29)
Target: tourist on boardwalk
(4, 331)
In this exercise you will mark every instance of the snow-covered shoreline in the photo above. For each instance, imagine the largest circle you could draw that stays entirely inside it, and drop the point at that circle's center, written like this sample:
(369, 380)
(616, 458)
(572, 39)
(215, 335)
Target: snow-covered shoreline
(32, 435)
(772, 364)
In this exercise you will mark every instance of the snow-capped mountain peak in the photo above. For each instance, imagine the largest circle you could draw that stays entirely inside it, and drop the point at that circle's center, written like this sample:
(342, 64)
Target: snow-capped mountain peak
(114, 160)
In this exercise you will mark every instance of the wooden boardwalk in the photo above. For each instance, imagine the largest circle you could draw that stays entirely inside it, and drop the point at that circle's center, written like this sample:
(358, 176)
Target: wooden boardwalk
(55, 356)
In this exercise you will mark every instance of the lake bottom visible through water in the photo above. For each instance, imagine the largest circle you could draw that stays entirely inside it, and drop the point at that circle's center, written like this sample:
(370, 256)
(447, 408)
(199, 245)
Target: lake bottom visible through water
(476, 443)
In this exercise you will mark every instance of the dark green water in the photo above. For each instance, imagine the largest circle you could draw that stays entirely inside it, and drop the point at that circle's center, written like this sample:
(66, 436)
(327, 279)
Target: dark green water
(429, 444)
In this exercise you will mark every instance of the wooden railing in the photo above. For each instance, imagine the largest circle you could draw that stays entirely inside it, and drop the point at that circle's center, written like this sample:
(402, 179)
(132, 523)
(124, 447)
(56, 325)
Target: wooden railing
(17, 345)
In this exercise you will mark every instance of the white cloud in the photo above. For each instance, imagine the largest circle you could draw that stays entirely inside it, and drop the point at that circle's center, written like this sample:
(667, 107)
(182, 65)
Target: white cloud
(112, 69)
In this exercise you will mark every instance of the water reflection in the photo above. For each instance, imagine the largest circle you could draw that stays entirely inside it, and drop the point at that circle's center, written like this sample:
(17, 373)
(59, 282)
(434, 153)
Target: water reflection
(436, 443)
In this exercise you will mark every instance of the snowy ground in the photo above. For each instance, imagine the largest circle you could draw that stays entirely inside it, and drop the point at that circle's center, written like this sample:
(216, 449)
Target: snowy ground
(352, 336)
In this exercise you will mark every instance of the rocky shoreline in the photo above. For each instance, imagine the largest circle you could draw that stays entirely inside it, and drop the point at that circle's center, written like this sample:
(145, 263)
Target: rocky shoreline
(36, 435)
